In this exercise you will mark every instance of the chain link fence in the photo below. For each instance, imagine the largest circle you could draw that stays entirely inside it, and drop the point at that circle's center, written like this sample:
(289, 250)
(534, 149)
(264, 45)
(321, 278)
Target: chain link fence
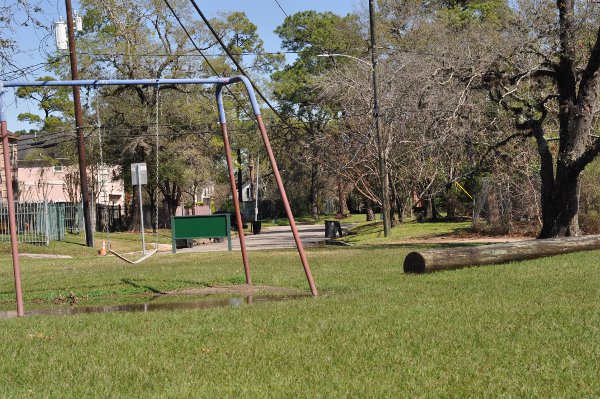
(42, 222)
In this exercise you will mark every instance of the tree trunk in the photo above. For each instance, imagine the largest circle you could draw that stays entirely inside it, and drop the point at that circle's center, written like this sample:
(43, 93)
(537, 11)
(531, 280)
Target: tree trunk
(370, 213)
(172, 195)
(451, 201)
(396, 206)
(401, 211)
(314, 207)
(560, 214)
(579, 96)
(434, 212)
(426, 208)
(134, 224)
(343, 208)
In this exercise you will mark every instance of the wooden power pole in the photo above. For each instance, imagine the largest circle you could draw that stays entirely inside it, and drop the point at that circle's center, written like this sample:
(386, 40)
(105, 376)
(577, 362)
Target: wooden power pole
(381, 138)
(89, 233)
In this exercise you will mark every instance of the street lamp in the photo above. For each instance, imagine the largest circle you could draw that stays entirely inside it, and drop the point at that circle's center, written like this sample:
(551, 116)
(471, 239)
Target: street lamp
(381, 140)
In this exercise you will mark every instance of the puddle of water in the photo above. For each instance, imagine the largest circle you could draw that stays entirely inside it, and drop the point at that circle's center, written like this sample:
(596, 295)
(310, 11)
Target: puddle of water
(153, 307)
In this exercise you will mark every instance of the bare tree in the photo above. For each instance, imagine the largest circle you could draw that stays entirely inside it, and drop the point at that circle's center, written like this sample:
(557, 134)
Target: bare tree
(15, 14)
(551, 85)
(71, 184)
(534, 63)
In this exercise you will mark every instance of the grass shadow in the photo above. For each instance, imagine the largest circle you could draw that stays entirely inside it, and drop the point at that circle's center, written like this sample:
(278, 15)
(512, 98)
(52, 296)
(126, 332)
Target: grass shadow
(147, 287)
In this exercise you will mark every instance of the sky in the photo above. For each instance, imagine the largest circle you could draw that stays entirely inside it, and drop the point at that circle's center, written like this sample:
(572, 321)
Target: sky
(36, 44)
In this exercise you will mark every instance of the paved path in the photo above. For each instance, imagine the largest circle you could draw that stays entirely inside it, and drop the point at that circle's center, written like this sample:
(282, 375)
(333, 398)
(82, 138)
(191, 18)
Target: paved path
(269, 238)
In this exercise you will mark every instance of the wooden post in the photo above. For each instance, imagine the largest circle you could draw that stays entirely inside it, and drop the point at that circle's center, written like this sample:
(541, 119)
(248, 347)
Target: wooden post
(443, 259)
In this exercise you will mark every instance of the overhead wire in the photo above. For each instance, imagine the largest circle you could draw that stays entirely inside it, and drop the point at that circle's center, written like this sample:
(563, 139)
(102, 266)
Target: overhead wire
(204, 57)
(235, 62)
(281, 8)
(55, 138)
(185, 55)
(23, 71)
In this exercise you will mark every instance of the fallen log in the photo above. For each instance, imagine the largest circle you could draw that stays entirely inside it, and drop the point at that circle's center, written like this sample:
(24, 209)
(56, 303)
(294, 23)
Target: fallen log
(442, 259)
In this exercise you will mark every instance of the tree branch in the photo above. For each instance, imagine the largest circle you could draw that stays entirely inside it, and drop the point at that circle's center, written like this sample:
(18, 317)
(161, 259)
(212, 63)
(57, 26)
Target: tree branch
(589, 78)
(588, 156)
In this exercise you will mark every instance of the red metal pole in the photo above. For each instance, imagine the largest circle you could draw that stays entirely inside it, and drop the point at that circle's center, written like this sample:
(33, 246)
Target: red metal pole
(286, 204)
(12, 219)
(236, 204)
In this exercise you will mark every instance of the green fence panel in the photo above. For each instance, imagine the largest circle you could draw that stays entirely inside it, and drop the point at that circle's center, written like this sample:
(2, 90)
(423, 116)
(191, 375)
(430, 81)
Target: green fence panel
(41, 222)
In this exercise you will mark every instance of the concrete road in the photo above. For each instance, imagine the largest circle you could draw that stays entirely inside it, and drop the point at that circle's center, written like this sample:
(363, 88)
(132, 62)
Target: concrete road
(269, 238)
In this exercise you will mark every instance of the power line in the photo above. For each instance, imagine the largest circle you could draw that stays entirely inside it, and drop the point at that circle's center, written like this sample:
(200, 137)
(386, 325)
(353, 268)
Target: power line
(185, 55)
(13, 74)
(235, 62)
(281, 8)
(204, 57)
(48, 140)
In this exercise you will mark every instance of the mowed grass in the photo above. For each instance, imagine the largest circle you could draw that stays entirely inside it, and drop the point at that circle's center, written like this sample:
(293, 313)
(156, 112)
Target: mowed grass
(74, 244)
(372, 232)
(526, 329)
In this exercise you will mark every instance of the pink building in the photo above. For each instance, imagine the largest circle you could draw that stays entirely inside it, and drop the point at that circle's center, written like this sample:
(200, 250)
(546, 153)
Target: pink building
(38, 182)
(61, 184)
(12, 145)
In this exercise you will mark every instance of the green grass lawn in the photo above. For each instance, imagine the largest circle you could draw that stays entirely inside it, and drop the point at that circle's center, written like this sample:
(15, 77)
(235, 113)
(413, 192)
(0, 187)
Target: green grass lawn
(74, 244)
(526, 329)
(368, 233)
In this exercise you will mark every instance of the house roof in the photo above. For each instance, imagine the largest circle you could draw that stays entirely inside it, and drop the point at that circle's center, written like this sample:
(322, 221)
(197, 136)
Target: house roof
(33, 148)
(12, 136)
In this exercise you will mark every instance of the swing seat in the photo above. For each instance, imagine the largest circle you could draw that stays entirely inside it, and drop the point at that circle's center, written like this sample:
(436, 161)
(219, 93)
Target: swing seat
(139, 260)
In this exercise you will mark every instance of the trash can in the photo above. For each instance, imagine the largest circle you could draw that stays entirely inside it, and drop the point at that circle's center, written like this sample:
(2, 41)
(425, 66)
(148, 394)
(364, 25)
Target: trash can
(332, 227)
(184, 243)
(256, 226)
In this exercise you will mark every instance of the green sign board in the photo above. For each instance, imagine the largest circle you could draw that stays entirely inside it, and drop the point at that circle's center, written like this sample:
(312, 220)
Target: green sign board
(205, 226)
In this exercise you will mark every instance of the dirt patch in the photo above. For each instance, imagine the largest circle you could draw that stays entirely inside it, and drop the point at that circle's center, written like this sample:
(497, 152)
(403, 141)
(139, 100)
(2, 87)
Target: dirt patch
(242, 289)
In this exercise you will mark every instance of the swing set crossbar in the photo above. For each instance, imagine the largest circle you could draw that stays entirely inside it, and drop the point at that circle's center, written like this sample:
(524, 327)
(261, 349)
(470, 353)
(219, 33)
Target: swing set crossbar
(219, 83)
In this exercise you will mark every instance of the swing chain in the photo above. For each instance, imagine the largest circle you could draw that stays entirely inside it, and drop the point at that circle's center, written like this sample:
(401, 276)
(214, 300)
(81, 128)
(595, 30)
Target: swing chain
(101, 170)
(156, 146)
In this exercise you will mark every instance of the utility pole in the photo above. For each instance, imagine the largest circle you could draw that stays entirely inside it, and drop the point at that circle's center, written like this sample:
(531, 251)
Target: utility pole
(381, 139)
(89, 234)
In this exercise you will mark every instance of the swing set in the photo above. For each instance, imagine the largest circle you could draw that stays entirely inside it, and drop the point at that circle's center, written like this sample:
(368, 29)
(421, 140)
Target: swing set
(137, 180)
(219, 83)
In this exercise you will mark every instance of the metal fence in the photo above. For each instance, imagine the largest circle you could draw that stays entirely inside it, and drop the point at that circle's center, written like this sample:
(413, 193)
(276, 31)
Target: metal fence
(42, 222)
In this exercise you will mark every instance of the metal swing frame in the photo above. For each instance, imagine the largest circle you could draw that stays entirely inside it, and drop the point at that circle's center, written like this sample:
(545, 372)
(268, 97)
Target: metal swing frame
(219, 83)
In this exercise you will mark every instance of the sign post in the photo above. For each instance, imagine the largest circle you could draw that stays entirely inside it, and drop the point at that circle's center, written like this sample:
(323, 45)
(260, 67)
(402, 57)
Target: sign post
(139, 176)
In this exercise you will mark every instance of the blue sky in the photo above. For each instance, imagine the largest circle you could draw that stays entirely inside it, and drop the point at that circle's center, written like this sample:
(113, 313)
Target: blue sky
(265, 14)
